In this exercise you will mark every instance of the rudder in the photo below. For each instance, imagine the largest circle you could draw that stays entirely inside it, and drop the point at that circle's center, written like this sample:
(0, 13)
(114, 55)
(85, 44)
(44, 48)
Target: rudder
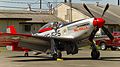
(11, 29)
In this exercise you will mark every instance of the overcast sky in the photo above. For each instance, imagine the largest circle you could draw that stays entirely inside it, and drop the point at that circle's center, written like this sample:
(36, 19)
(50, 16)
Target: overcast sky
(22, 4)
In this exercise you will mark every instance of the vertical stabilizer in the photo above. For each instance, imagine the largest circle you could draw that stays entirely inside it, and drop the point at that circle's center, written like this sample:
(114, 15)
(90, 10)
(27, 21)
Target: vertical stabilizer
(11, 29)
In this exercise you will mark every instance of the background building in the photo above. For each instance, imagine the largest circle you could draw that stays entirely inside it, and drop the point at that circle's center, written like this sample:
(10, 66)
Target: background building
(30, 21)
(76, 11)
(25, 21)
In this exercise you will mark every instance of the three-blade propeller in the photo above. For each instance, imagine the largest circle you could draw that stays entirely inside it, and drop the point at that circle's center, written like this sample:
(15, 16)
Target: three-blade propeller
(98, 24)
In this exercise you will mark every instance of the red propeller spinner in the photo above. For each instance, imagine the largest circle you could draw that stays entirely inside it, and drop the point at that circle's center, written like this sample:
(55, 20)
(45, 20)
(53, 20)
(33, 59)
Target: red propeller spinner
(99, 22)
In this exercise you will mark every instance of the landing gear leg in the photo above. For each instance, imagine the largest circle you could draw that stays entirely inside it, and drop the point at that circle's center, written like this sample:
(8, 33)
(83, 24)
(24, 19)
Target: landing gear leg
(95, 54)
(54, 51)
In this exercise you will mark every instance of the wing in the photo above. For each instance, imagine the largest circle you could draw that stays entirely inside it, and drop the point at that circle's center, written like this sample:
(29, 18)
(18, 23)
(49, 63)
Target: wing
(40, 43)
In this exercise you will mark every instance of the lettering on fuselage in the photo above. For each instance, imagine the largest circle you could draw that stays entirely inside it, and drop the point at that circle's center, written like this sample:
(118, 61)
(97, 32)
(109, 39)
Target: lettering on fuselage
(79, 27)
(55, 33)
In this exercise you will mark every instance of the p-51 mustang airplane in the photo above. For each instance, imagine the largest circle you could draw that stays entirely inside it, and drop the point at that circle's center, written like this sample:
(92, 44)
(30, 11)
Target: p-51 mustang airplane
(65, 37)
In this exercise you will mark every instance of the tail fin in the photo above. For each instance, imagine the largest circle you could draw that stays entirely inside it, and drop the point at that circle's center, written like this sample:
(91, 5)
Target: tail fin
(11, 29)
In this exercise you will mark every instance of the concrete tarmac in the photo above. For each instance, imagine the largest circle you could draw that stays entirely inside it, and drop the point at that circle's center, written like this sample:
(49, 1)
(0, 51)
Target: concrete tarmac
(82, 59)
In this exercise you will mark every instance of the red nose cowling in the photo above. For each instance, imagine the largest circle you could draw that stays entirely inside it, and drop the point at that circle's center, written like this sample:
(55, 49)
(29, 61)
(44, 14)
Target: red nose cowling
(98, 22)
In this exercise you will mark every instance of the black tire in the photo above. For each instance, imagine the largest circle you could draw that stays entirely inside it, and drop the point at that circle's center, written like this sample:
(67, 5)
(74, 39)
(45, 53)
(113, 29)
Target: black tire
(113, 48)
(26, 54)
(103, 46)
(55, 56)
(95, 55)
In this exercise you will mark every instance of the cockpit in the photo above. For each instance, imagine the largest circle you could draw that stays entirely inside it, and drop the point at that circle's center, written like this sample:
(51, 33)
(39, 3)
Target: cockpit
(50, 26)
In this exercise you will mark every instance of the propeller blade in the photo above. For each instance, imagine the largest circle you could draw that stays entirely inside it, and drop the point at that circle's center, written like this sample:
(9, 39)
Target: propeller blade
(88, 9)
(107, 33)
(93, 33)
(106, 8)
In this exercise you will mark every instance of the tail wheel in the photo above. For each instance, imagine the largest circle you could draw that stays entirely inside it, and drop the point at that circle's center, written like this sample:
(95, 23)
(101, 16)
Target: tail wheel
(103, 46)
(26, 54)
(95, 54)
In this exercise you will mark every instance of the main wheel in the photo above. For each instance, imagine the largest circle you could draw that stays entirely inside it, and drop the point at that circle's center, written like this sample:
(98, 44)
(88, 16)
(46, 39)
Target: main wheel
(57, 55)
(95, 54)
(103, 46)
(113, 48)
(54, 56)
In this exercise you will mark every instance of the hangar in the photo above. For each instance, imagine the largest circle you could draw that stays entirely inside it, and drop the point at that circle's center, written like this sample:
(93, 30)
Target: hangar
(25, 21)
(30, 21)
(75, 11)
